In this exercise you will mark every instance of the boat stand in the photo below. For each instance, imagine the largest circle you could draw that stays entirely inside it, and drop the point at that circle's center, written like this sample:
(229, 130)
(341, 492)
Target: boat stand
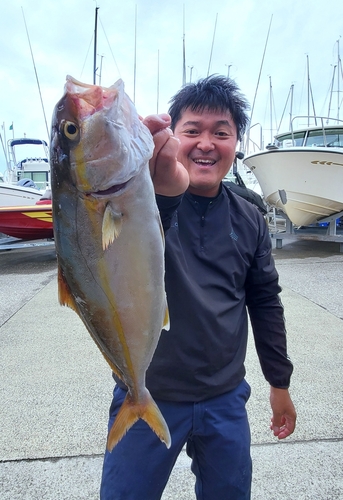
(10, 243)
(282, 228)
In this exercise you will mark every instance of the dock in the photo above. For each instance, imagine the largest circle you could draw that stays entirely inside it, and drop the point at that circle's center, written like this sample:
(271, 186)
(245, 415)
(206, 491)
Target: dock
(56, 387)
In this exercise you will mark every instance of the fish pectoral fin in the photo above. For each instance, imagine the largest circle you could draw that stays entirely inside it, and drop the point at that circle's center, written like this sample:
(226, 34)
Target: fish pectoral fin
(130, 412)
(65, 296)
(166, 323)
(111, 226)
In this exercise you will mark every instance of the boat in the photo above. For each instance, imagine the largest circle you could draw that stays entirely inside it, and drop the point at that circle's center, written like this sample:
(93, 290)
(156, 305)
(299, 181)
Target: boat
(30, 222)
(301, 172)
(28, 172)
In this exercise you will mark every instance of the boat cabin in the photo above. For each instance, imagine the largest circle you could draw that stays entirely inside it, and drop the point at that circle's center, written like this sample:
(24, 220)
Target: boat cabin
(312, 137)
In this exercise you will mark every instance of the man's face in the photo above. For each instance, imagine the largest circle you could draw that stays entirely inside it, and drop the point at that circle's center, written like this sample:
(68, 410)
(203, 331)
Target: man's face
(207, 149)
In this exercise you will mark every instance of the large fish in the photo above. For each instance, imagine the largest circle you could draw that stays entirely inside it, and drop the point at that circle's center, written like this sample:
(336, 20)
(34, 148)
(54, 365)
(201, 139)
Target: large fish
(109, 242)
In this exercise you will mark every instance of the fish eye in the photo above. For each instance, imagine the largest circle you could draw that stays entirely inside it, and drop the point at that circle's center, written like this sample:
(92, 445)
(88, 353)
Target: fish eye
(70, 130)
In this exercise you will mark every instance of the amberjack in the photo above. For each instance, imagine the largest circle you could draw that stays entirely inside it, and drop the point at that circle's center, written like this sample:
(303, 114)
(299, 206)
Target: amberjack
(109, 240)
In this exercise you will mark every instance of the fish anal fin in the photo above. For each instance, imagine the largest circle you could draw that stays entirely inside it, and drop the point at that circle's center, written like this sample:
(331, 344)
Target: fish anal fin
(65, 296)
(111, 226)
(130, 412)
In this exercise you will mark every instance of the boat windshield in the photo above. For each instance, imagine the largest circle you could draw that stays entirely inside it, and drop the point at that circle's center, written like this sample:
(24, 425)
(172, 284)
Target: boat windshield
(333, 138)
(288, 141)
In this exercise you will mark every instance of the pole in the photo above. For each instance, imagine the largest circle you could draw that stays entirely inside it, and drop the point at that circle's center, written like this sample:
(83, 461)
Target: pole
(95, 41)
(158, 78)
(184, 50)
(135, 59)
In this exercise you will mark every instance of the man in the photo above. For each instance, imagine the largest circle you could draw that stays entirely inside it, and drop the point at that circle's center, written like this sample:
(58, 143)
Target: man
(218, 265)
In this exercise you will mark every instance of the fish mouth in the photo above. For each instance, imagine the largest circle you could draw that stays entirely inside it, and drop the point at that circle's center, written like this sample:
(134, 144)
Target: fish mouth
(111, 190)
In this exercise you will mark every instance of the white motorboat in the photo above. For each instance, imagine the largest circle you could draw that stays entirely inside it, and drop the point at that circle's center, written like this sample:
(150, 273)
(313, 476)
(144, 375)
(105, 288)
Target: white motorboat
(28, 172)
(301, 173)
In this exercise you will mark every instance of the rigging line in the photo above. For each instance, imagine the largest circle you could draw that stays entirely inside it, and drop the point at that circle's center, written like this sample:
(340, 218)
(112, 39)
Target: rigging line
(258, 82)
(34, 66)
(284, 109)
(259, 76)
(214, 34)
(84, 64)
(114, 59)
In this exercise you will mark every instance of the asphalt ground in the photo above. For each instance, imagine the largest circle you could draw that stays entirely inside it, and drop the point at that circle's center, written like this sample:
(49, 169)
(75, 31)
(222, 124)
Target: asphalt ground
(55, 387)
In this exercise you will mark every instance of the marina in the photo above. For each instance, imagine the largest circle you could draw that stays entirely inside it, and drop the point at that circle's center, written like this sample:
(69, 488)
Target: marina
(53, 439)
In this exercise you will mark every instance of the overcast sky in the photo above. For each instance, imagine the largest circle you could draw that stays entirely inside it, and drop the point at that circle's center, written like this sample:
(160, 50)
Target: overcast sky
(221, 36)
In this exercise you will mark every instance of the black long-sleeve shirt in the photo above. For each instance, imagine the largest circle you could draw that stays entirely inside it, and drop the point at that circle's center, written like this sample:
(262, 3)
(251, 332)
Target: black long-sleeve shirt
(218, 266)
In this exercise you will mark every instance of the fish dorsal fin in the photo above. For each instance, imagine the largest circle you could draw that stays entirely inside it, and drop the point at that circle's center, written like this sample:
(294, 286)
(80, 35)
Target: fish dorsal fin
(111, 226)
(65, 296)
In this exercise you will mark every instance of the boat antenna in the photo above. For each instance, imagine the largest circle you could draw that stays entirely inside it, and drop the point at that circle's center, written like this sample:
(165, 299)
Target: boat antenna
(34, 66)
(214, 34)
(258, 82)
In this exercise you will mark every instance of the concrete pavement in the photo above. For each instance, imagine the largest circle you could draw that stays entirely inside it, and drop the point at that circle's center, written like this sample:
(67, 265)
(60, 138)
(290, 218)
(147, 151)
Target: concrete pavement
(55, 387)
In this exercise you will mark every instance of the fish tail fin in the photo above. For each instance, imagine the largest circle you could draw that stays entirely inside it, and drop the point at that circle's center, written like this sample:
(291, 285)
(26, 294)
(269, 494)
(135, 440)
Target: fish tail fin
(130, 412)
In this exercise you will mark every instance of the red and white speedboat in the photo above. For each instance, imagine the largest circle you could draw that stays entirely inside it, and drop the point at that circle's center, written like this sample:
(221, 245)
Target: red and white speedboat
(27, 222)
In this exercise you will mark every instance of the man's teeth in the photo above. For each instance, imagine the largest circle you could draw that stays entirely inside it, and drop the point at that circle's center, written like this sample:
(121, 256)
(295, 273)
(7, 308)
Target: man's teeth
(204, 162)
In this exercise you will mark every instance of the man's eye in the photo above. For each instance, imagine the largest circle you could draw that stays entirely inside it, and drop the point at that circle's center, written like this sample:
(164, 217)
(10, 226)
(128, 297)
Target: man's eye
(191, 132)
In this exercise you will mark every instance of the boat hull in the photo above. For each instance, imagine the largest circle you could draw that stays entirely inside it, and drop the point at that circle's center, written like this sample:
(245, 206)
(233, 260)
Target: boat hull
(27, 222)
(14, 196)
(305, 183)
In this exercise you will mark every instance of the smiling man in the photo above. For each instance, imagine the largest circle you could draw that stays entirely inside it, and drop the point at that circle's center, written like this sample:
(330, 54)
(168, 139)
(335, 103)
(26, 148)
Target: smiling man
(219, 268)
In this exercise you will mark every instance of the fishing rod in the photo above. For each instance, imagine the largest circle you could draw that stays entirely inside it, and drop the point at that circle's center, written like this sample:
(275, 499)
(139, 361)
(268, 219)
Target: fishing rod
(34, 66)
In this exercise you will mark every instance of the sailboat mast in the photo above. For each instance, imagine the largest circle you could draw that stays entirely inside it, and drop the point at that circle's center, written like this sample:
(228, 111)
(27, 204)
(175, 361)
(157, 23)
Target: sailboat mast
(271, 108)
(291, 106)
(135, 60)
(310, 96)
(338, 66)
(331, 91)
(184, 50)
(95, 41)
(158, 80)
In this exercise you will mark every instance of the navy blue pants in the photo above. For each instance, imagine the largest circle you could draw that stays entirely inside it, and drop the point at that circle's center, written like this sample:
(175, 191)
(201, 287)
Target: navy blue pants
(217, 435)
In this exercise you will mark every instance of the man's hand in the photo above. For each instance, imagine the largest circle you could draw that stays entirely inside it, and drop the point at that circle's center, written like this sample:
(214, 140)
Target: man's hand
(169, 176)
(284, 414)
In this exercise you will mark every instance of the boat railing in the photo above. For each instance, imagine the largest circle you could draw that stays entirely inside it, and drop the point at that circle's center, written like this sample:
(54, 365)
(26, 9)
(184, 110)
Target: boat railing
(250, 142)
(322, 125)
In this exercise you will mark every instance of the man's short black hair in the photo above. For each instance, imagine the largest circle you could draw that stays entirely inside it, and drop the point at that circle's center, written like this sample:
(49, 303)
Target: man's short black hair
(216, 93)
